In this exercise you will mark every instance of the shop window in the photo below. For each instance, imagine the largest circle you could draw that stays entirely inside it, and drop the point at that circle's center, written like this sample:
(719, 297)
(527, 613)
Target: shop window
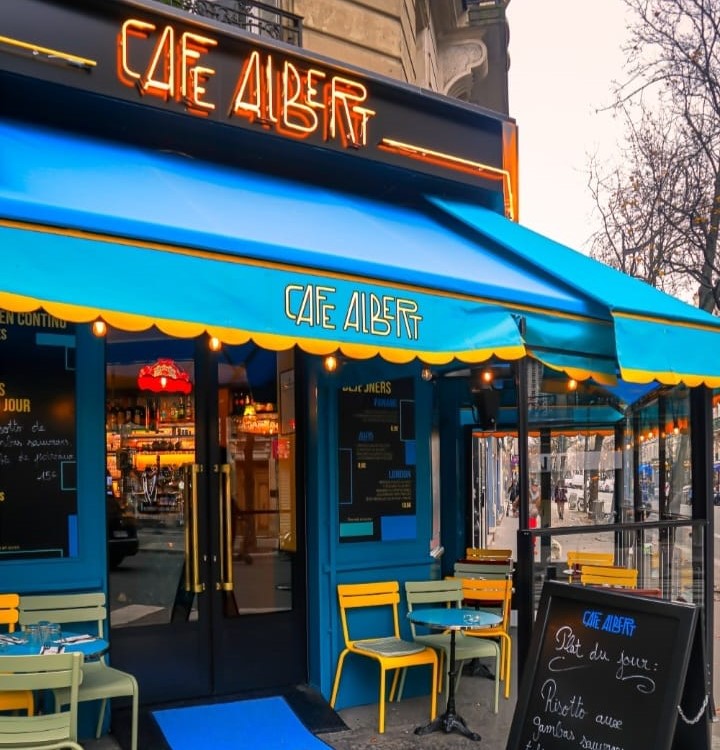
(38, 462)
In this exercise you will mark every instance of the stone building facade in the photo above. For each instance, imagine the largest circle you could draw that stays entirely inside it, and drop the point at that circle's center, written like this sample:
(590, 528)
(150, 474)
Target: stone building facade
(453, 47)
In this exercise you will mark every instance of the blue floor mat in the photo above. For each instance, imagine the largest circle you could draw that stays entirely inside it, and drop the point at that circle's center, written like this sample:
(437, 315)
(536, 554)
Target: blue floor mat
(261, 724)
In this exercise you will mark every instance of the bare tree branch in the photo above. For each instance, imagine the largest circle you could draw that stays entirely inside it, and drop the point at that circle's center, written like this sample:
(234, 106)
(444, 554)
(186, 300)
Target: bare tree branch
(660, 204)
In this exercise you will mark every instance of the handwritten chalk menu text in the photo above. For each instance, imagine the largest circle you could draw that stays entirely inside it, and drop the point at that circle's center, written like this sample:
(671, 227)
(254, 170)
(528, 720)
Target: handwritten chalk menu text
(376, 461)
(605, 671)
(38, 497)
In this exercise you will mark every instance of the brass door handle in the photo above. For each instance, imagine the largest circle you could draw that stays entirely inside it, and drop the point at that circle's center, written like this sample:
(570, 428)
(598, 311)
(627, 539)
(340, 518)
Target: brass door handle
(225, 529)
(190, 514)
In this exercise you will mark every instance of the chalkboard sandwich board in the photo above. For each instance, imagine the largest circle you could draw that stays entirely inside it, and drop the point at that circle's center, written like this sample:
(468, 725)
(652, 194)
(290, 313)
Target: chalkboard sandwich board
(609, 671)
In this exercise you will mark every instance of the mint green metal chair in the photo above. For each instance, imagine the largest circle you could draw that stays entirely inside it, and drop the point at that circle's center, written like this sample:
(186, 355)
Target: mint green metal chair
(448, 593)
(100, 681)
(47, 731)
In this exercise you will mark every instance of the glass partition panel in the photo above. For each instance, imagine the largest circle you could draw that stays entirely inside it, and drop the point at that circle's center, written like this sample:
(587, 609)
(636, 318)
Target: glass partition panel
(666, 556)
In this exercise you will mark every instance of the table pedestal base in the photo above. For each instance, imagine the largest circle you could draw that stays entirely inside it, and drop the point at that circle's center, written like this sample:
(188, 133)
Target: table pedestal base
(449, 722)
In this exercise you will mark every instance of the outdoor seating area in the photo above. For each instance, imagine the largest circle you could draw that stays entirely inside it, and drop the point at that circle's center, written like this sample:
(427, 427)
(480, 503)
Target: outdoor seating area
(42, 637)
(452, 622)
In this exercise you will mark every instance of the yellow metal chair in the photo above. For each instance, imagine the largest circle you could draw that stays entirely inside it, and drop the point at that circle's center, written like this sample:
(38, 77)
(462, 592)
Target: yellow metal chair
(13, 700)
(609, 575)
(390, 650)
(47, 731)
(448, 593)
(496, 595)
(577, 558)
(99, 681)
(487, 553)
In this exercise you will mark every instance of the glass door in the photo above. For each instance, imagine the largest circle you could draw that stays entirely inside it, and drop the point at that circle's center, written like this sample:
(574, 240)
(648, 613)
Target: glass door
(204, 582)
(258, 633)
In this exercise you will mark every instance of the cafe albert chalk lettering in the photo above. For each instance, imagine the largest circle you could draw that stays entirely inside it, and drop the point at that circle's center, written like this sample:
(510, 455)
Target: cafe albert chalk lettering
(606, 671)
(37, 435)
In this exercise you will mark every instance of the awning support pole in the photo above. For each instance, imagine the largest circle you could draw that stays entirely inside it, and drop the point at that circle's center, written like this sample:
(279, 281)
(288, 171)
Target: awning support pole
(525, 561)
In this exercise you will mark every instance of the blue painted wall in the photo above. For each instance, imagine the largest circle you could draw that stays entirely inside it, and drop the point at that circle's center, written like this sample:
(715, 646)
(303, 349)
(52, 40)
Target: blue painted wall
(331, 562)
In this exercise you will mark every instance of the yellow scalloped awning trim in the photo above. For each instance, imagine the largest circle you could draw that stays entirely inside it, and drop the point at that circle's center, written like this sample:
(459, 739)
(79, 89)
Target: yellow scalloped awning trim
(187, 329)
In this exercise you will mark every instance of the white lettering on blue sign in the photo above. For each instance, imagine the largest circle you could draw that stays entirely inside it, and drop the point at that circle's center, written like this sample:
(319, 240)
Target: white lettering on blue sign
(383, 315)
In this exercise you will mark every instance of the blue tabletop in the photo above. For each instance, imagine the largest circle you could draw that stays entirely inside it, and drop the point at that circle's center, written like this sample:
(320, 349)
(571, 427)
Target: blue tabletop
(92, 647)
(454, 618)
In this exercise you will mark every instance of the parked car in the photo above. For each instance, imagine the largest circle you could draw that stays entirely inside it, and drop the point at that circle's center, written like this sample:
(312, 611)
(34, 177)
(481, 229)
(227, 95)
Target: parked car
(576, 480)
(122, 535)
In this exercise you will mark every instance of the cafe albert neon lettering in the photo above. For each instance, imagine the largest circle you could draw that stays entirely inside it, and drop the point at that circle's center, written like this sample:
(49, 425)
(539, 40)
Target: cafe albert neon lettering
(297, 102)
(173, 70)
(293, 101)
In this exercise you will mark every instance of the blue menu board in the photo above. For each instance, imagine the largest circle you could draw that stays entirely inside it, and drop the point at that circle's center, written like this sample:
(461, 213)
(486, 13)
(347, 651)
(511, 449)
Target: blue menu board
(376, 461)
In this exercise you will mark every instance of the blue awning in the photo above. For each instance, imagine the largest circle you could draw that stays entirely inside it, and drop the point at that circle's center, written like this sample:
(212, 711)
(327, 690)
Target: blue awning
(91, 229)
(95, 229)
(657, 337)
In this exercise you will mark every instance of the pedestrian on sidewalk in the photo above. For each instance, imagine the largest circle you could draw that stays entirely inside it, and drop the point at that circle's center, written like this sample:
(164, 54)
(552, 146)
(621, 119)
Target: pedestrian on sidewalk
(513, 498)
(560, 499)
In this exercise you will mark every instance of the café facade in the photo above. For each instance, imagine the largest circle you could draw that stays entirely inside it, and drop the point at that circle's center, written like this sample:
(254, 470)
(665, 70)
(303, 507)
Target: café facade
(247, 295)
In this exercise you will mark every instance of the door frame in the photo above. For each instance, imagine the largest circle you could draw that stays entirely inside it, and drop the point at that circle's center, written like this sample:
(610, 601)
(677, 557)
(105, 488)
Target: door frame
(219, 653)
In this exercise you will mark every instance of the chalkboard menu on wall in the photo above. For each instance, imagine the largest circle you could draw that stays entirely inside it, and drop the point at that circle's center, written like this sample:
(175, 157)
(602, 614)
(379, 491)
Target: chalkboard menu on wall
(608, 671)
(376, 461)
(38, 496)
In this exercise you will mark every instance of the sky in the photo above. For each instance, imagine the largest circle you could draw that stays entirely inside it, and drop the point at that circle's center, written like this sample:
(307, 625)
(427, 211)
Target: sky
(564, 55)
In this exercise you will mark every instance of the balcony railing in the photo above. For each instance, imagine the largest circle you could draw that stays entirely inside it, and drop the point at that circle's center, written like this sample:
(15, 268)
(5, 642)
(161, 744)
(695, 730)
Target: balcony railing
(257, 18)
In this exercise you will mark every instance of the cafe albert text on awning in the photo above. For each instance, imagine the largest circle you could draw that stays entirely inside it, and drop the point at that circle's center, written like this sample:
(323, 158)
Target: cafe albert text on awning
(338, 272)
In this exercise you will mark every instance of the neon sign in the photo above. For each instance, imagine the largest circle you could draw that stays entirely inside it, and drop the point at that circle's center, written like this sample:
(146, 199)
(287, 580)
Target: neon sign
(277, 95)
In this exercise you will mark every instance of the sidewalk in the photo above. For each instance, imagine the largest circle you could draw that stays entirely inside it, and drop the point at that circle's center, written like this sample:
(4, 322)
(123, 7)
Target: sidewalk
(473, 703)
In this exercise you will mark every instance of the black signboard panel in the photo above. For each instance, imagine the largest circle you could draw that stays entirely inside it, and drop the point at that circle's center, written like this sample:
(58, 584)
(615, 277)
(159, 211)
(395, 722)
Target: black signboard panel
(376, 461)
(183, 63)
(38, 488)
(608, 670)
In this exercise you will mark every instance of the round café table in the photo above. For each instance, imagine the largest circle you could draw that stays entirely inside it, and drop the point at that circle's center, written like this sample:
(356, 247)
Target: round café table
(91, 647)
(452, 619)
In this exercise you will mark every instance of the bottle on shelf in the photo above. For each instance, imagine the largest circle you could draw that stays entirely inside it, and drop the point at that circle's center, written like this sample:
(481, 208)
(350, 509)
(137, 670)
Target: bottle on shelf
(151, 415)
(129, 412)
(112, 423)
(163, 413)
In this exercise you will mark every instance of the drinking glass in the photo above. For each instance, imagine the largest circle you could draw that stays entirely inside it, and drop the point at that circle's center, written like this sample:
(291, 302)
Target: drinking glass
(34, 634)
(44, 626)
(54, 634)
